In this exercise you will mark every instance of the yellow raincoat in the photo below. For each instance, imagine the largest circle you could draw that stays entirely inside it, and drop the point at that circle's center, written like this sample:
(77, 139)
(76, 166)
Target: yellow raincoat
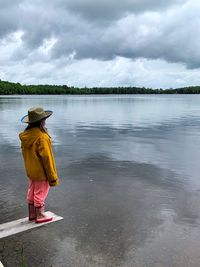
(38, 156)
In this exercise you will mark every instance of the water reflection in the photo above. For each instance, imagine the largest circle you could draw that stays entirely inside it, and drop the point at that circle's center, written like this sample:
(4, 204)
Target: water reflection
(129, 166)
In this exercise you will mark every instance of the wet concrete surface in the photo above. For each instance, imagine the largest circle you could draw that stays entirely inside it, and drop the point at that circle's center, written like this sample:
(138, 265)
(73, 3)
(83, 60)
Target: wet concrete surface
(116, 213)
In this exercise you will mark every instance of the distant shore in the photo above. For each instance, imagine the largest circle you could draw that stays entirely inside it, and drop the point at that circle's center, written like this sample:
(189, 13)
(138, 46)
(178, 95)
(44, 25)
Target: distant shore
(8, 88)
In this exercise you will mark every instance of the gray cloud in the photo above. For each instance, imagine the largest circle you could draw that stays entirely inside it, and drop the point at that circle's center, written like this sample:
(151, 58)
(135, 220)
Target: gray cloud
(62, 31)
(8, 20)
(9, 3)
(166, 35)
(112, 9)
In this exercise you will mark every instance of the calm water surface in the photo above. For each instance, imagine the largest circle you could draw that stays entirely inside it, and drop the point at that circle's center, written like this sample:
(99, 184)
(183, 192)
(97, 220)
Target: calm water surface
(130, 188)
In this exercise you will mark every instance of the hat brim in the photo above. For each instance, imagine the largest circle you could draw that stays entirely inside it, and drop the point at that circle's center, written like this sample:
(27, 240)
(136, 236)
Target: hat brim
(48, 113)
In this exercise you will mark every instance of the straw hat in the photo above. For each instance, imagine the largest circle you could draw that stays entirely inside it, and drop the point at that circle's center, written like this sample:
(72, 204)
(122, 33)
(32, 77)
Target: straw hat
(36, 114)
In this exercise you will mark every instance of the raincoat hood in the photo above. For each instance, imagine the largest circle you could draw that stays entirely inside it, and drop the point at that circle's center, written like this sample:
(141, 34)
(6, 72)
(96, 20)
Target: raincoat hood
(28, 137)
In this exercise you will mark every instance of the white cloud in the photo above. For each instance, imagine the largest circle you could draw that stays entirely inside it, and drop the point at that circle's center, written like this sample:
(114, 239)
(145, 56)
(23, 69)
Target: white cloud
(47, 45)
(117, 72)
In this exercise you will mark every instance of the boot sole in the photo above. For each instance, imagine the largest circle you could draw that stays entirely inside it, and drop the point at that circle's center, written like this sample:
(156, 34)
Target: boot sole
(44, 220)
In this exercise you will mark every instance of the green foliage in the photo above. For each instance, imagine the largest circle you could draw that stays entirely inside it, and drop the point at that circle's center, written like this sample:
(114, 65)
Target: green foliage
(8, 88)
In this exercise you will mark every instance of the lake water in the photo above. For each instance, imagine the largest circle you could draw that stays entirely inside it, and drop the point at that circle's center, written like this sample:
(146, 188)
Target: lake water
(129, 181)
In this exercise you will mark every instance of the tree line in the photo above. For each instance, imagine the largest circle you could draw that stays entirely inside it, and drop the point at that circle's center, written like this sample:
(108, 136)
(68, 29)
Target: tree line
(8, 88)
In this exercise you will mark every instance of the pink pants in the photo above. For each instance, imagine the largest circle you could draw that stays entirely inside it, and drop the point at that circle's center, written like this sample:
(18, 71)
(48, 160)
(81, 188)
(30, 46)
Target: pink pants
(37, 192)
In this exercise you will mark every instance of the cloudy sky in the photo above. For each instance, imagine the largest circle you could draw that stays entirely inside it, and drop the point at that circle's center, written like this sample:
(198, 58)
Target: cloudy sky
(151, 43)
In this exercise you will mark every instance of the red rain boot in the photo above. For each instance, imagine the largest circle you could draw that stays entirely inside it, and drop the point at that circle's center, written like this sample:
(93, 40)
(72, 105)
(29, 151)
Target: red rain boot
(41, 216)
(31, 212)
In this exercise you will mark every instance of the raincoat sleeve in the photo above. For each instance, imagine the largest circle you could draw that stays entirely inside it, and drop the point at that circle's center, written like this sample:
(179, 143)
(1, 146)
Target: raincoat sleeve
(46, 154)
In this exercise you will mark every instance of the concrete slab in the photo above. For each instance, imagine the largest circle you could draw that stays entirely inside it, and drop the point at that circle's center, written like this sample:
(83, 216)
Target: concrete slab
(21, 225)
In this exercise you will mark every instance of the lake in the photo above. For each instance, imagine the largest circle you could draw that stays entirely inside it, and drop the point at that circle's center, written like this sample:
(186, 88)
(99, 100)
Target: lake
(129, 181)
